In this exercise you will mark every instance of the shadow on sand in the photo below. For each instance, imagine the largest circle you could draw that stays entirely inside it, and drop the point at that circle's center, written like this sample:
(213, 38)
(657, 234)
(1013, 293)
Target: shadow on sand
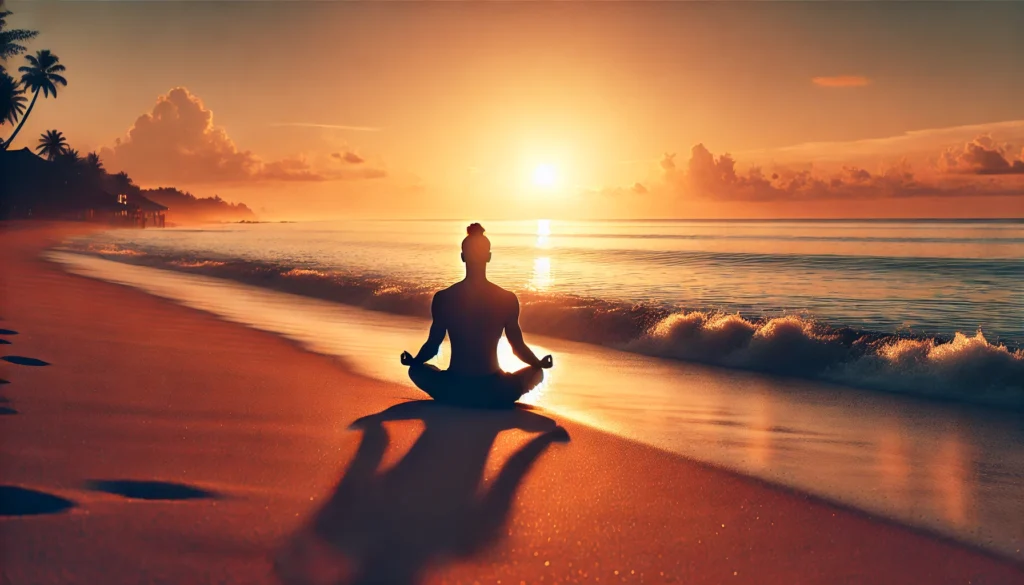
(24, 361)
(19, 501)
(428, 508)
(149, 490)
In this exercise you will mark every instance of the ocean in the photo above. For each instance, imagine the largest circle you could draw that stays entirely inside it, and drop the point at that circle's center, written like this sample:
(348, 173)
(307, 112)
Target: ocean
(872, 363)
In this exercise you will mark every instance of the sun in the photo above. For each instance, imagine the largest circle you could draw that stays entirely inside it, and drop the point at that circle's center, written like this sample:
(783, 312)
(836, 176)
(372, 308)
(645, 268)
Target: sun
(545, 175)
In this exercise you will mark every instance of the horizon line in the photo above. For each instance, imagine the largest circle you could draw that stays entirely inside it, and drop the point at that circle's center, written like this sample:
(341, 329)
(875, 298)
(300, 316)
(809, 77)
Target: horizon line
(662, 219)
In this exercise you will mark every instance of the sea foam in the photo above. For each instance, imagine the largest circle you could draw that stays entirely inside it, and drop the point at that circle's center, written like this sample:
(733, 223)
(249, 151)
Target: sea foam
(964, 367)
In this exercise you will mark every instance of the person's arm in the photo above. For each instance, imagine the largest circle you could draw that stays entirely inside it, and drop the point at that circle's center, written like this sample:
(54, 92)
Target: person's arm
(438, 329)
(514, 334)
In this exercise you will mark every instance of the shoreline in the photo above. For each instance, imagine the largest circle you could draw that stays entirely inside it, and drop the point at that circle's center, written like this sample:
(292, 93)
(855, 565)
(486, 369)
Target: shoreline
(782, 431)
(934, 366)
(242, 408)
(967, 403)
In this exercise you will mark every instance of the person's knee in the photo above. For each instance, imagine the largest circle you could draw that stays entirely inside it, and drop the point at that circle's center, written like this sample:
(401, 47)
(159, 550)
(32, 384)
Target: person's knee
(529, 378)
(537, 377)
(424, 376)
(416, 372)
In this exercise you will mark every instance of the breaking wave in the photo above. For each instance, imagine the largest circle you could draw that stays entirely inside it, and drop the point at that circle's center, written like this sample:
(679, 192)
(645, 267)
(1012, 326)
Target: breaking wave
(963, 367)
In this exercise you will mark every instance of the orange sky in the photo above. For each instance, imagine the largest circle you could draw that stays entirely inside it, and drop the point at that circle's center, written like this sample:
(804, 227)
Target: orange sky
(447, 110)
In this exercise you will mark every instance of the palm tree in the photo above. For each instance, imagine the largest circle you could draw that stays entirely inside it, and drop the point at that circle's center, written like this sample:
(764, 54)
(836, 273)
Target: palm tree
(93, 163)
(9, 39)
(70, 157)
(41, 74)
(121, 182)
(52, 144)
(12, 99)
(70, 163)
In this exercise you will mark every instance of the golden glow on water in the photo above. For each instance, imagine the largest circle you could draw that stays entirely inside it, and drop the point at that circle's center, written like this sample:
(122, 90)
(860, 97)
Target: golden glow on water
(760, 446)
(543, 234)
(893, 467)
(951, 470)
(543, 227)
(541, 279)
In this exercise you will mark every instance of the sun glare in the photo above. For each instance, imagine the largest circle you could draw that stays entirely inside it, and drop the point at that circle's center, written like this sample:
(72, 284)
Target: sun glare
(543, 227)
(545, 176)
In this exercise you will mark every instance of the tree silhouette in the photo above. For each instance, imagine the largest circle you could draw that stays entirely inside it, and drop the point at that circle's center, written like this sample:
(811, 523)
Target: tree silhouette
(12, 99)
(52, 144)
(93, 163)
(10, 38)
(42, 74)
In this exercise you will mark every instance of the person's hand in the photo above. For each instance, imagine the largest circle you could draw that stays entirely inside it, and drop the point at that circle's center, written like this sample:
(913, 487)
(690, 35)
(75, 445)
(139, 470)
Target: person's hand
(547, 362)
(407, 359)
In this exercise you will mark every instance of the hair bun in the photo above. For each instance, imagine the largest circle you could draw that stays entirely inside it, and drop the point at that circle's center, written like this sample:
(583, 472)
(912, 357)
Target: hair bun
(475, 229)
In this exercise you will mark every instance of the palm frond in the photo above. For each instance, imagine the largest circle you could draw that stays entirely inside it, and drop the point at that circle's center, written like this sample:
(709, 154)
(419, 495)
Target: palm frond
(9, 39)
(12, 99)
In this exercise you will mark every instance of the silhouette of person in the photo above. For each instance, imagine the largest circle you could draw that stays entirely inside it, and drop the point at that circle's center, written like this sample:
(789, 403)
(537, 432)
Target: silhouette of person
(473, 313)
(429, 507)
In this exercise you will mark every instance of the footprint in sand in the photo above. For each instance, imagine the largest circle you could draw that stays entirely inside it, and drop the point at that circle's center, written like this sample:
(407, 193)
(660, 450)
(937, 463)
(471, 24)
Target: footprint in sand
(150, 490)
(8, 332)
(24, 361)
(18, 501)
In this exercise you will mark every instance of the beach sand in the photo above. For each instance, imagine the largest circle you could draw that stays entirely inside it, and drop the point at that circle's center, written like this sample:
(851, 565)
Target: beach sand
(161, 445)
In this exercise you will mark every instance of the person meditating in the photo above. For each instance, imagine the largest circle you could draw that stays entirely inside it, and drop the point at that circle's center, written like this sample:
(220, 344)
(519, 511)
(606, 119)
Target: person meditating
(474, 313)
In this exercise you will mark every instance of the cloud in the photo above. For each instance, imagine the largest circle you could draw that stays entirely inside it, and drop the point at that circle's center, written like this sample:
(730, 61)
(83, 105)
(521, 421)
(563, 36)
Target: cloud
(354, 167)
(668, 162)
(328, 126)
(711, 176)
(841, 81)
(617, 192)
(289, 169)
(178, 142)
(982, 156)
(718, 177)
(915, 143)
(349, 157)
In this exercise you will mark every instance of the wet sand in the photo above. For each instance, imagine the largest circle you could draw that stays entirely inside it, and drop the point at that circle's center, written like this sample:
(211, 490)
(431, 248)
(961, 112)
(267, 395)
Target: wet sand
(159, 444)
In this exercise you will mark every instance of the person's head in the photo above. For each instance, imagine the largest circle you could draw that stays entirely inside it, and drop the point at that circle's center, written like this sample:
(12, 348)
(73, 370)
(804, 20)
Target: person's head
(476, 248)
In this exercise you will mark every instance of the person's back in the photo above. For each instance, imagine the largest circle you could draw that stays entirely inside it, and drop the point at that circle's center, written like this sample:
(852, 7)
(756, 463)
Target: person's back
(474, 313)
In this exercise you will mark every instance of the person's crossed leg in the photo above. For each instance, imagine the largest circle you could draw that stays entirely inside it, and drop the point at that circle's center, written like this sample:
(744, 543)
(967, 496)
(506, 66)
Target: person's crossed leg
(498, 390)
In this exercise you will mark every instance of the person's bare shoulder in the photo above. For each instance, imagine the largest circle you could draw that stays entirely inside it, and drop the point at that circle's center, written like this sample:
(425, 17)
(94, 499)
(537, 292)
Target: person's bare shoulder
(442, 297)
(511, 301)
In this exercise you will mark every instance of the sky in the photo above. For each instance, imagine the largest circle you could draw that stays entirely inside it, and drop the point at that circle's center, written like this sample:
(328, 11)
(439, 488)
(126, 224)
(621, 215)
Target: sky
(584, 110)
